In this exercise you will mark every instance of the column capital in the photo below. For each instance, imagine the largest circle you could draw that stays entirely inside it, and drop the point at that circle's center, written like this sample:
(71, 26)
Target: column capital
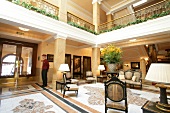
(96, 46)
(94, 1)
(60, 35)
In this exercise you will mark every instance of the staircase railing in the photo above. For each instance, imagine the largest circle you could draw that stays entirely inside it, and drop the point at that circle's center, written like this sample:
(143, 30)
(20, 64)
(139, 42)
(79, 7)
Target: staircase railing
(154, 11)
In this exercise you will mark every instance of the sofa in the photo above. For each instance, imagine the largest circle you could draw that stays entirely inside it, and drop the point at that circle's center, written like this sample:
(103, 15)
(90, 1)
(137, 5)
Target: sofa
(133, 78)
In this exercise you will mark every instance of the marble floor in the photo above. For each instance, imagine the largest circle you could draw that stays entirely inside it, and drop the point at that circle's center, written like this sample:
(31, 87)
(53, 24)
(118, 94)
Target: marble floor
(35, 99)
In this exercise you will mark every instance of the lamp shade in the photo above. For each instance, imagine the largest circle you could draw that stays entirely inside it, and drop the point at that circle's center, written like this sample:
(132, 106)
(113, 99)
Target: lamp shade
(64, 67)
(101, 67)
(159, 72)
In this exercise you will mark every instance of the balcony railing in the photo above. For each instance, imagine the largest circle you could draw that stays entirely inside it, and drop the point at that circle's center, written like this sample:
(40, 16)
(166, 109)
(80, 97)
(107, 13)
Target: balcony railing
(80, 23)
(154, 11)
(39, 6)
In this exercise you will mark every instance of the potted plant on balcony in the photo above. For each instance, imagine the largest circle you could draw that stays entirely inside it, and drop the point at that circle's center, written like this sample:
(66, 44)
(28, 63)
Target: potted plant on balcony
(111, 55)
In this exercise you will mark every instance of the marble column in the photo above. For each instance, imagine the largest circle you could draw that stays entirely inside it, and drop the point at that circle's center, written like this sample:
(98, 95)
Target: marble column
(109, 19)
(96, 15)
(143, 67)
(59, 57)
(95, 60)
(62, 10)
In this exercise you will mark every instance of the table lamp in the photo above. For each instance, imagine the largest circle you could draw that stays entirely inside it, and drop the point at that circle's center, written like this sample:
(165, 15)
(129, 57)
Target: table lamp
(101, 68)
(64, 68)
(160, 73)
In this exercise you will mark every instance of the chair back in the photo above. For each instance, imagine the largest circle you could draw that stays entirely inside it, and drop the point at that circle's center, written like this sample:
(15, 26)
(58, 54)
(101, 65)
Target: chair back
(89, 74)
(121, 72)
(128, 74)
(138, 75)
(115, 89)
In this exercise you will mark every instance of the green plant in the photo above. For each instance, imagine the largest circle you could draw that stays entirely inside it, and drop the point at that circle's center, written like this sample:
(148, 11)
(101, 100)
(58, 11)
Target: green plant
(81, 27)
(111, 54)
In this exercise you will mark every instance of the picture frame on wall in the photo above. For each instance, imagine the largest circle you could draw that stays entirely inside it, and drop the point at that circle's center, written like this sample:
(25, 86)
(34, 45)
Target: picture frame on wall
(135, 65)
(50, 57)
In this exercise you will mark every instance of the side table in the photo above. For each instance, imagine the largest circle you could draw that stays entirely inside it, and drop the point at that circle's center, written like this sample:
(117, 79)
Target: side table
(101, 78)
(150, 107)
(61, 83)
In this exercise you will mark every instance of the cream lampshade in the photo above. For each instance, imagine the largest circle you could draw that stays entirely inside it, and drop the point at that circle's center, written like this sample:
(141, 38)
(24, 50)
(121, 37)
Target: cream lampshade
(64, 68)
(160, 73)
(101, 68)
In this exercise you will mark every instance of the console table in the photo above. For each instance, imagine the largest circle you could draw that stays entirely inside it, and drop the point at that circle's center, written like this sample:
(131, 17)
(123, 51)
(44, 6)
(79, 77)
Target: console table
(101, 77)
(116, 74)
(150, 107)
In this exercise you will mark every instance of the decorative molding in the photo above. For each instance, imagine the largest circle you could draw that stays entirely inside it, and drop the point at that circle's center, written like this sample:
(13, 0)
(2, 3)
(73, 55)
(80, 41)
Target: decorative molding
(121, 5)
(99, 1)
(61, 35)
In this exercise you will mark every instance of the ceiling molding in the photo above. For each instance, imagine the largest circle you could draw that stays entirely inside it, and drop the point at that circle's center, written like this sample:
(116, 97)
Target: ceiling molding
(122, 5)
(105, 7)
(84, 13)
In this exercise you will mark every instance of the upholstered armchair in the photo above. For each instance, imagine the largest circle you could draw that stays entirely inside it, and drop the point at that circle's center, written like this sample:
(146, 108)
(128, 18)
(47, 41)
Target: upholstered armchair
(90, 77)
(115, 95)
(69, 86)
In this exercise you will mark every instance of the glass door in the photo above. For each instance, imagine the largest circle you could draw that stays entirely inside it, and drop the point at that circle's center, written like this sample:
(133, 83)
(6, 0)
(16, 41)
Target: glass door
(8, 60)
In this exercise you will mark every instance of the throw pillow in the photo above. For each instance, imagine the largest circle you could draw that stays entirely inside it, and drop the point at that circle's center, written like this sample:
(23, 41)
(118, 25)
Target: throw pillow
(134, 78)
(137, 79)
(121, 77)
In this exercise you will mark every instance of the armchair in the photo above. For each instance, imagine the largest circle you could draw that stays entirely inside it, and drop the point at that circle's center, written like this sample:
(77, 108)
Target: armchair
(69, 87)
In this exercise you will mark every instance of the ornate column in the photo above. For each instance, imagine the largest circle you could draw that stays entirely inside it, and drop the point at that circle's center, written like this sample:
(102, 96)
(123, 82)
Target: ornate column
(96, 13)
(59, 57)
(143, 67)
(62, 10)
(95, 60)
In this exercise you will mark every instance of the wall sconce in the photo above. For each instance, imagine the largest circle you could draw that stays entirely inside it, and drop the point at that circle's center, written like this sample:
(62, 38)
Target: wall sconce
(126, 65)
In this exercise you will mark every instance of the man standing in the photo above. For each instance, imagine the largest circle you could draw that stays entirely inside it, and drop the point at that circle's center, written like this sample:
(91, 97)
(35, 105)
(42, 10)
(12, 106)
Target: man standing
(45, 68)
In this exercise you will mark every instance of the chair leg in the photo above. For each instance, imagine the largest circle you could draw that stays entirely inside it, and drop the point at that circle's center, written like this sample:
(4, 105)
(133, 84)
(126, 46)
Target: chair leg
(105, 110)
(77, 93)
(63, 93)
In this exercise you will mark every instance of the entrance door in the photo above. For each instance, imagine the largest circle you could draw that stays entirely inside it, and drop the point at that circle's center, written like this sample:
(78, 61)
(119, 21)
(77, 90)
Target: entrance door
(86, 65)
(17, 57)
(76, 66)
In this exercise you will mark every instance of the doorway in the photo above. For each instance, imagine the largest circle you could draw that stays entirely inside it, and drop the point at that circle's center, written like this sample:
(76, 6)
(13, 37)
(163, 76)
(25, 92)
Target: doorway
(86, 65)
(77, 66)
(17, 57)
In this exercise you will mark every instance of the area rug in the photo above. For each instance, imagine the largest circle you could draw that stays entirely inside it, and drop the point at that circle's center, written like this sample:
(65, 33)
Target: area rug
(33, 103)
(97, 96)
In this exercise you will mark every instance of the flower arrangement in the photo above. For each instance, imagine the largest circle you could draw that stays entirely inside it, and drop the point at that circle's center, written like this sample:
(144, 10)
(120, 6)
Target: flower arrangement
(111, 54)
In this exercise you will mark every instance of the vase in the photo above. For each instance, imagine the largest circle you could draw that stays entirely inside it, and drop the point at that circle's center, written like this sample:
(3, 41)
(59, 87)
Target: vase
(112, 67)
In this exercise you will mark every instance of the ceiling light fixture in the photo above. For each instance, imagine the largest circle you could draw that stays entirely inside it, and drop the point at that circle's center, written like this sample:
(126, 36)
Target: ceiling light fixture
(132, 40)
(23, 29)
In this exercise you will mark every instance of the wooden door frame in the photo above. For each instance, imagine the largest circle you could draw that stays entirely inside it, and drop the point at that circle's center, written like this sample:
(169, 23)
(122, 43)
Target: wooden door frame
(84, 75)
(76, 73)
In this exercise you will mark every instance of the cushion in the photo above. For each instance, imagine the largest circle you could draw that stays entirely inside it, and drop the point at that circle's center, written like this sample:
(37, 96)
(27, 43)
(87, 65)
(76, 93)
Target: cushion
(128, 75)
(121, 77)
(134, 78)
(137, 79)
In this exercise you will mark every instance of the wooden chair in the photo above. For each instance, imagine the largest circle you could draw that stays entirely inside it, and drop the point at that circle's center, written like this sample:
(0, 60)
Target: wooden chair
(115, 95)
(69, 86)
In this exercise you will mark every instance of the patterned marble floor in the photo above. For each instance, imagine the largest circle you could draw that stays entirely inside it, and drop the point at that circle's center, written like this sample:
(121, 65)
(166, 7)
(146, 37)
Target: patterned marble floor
(33, 98)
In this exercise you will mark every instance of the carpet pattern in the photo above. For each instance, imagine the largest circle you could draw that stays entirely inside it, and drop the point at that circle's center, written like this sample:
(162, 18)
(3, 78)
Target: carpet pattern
(97, 96)
(32, 106)
(19, 88)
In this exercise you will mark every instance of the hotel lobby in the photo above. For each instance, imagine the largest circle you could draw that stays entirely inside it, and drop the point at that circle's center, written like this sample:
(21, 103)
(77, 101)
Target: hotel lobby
(76, 32)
